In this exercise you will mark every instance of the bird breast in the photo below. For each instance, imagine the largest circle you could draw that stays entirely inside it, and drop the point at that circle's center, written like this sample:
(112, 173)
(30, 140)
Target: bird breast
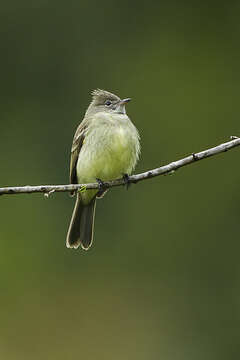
(110, 148)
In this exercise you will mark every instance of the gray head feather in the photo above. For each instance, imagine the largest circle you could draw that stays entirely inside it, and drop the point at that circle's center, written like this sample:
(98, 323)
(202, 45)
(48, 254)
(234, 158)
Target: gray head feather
(100, 96)
(104, 101)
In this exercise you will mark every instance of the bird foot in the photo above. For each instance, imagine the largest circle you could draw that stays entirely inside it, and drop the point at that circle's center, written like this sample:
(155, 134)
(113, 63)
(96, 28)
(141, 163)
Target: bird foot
(102, 188)
(101, 184)
(127, 182)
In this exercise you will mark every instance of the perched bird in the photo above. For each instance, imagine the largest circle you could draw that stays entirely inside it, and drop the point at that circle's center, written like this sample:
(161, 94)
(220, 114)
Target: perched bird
(105, 147)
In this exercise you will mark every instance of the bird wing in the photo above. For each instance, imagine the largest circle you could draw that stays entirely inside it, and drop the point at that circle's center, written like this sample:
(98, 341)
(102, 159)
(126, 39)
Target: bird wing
(76, 147)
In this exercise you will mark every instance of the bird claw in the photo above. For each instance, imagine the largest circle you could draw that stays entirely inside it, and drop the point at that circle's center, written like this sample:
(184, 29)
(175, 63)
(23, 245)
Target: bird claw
(100, 184)
(102, 188)
(126, 180)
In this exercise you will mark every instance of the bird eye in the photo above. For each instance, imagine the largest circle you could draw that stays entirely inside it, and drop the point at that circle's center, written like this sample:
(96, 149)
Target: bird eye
(108, 103)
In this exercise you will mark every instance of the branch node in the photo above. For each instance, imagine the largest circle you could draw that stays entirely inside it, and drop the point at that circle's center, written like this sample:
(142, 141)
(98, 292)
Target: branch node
(150, 173)
(195, 158)
(170, 172)
(234, 137)
(47, 194)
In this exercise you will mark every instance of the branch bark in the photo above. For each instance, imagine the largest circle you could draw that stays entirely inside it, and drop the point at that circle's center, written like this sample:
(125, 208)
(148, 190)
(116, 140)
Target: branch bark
(166, 169)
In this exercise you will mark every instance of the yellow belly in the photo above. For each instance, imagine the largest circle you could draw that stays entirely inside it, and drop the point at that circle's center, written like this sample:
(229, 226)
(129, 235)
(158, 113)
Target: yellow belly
(108, 162)
(109, 151)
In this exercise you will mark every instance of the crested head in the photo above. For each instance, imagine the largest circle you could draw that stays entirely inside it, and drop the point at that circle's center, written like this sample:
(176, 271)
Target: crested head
(104, 101)
(100, 96)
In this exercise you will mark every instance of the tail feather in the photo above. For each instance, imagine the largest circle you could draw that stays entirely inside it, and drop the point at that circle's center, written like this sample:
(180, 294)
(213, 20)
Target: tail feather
(80, 231)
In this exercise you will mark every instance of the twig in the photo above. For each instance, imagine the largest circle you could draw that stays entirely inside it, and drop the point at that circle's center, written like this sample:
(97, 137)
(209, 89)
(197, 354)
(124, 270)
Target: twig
(166, 169)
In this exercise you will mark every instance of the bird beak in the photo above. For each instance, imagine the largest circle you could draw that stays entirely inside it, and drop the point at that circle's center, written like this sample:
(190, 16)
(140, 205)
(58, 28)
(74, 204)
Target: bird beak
(124, 101)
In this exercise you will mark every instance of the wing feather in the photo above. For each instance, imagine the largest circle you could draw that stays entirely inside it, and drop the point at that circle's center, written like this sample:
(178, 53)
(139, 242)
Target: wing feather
(76, 148)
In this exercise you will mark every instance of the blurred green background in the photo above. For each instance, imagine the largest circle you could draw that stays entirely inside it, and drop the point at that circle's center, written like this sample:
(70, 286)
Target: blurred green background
(162, 280)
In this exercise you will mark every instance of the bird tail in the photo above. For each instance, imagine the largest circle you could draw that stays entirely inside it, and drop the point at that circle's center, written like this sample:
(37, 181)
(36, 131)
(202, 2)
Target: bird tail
(80, 230)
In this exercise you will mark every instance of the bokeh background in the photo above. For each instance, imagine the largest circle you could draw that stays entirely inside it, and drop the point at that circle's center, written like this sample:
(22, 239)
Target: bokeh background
(162, 280)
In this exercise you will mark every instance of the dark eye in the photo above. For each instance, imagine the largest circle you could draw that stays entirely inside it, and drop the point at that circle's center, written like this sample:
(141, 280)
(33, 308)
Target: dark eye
(108, 103)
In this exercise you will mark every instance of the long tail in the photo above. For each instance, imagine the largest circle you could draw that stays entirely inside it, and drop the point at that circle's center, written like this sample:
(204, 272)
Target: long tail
(80, 231)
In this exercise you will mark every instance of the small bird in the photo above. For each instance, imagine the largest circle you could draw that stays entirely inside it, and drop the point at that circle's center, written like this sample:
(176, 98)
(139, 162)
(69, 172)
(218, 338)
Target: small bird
(105, 147)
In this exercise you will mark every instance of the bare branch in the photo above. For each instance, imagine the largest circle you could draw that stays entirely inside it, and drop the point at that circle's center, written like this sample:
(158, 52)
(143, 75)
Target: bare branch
(166, 169)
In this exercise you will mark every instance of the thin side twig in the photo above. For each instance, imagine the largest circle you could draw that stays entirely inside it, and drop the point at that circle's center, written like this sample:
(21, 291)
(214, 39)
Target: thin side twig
(169, 168)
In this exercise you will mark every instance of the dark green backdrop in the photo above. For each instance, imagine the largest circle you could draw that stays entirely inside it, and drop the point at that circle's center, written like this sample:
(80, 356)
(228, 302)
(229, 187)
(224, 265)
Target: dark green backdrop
(162, 280)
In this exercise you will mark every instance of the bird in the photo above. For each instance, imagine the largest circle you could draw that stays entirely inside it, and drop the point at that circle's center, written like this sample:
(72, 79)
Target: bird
(106, 146)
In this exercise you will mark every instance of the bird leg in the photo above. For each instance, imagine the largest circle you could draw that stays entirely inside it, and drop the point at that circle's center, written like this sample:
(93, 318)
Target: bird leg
(102, 188)
(127, 182)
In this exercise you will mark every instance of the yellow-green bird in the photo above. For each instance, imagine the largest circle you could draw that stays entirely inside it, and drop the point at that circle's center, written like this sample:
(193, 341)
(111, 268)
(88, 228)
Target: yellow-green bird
(105, 147)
